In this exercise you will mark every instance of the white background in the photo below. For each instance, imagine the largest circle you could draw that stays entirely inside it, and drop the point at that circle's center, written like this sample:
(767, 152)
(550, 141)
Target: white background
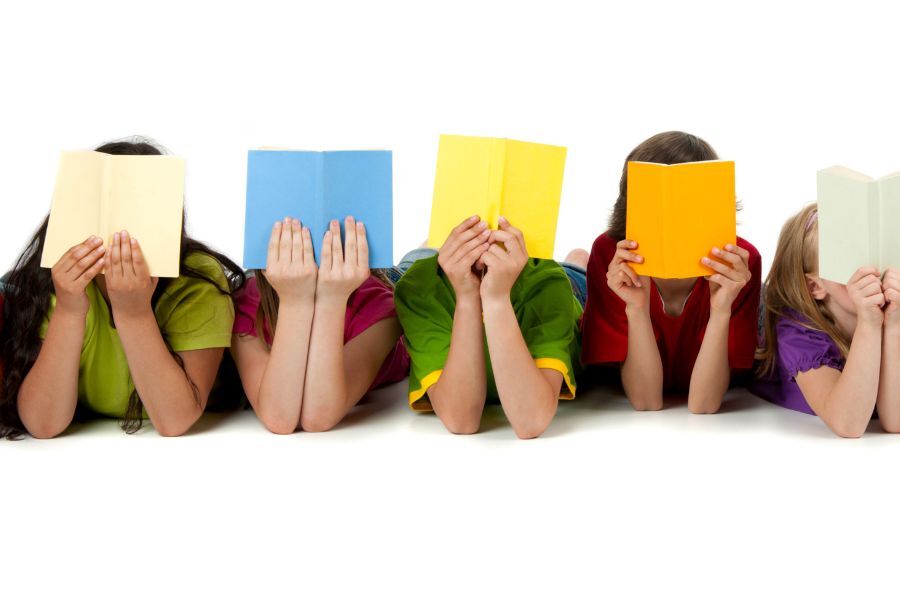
(750, 502)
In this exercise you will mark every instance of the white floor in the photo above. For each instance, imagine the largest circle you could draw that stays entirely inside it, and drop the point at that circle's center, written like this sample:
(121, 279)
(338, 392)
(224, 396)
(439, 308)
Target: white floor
(756, 500)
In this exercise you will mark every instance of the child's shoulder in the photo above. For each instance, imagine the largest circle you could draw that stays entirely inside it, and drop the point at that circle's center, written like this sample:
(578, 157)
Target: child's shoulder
(421, 275)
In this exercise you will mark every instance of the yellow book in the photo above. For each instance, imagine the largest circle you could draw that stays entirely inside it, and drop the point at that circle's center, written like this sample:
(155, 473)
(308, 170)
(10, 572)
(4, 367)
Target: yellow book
(492, 177)
(677, 213)
(99, 194)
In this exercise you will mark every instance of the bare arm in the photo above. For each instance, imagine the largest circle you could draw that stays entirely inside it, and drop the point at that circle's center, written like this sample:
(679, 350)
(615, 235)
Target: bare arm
(459, 395)
(846, 399)
(174, 397)
(888, 402)
(49, 393)
(344, 373)
(712, 374)
(274, 379)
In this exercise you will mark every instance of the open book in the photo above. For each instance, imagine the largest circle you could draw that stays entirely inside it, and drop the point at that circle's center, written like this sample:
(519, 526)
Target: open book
(317, 187)
(100, 194)
(493, 177)
(858, 222)
(678, 213)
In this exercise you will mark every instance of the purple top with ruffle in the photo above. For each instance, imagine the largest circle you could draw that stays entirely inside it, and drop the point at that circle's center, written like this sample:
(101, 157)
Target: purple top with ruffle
(799, 349)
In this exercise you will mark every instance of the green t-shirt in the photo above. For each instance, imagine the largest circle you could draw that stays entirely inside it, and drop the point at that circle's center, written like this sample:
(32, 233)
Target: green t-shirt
(192, 315)
(546, 309)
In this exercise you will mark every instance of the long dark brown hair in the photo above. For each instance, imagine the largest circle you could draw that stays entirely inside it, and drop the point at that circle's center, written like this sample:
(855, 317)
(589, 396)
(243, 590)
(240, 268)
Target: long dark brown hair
(669, 148)
(28, 291)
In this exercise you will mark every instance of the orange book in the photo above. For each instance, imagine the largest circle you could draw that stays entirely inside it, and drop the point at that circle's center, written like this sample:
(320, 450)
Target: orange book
(677, 213)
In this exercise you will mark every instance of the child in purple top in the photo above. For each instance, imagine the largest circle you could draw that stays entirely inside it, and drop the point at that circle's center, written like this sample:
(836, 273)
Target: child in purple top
(827, 348)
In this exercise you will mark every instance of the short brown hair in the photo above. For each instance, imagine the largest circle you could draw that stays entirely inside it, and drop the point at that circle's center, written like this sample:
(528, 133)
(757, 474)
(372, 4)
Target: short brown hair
(669, 148)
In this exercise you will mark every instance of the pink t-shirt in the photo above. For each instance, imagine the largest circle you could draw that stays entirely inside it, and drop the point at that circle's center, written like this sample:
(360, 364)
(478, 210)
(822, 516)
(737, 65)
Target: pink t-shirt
(372, 301)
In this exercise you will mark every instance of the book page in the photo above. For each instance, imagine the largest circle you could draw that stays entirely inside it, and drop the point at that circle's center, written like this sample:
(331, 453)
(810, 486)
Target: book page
(644, 215)
(75, 209)
(845, 205)
(146, 198)
(359, 184)
(532, 187)
(889, 222)
(280, 184)
(462, 184)
(700, 214)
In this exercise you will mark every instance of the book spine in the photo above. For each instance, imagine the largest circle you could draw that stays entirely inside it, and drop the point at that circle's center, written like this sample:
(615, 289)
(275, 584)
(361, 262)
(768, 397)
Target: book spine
(664, 215)
(876, 229)
(105, 200)
(495, 183)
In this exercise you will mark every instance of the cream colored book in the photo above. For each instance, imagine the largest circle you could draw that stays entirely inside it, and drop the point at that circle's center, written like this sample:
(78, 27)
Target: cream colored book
(859, 222)
(99, 194)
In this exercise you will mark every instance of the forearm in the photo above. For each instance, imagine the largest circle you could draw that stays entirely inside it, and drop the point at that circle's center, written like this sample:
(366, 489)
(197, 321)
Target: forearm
(525, 394)
(325, 398)
(162, 384)
(711, 374)
(459, 395)
(49, 393)
(642, 371)
(280, 395)
(849, 405)
(888, 401)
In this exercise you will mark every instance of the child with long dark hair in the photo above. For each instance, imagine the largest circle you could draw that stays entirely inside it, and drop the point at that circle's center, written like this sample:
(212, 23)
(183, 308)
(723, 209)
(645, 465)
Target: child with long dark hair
(97, 332)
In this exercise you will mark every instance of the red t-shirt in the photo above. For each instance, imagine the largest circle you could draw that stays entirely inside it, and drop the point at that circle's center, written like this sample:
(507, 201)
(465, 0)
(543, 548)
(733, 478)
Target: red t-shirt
(605, 326)
(372, 302)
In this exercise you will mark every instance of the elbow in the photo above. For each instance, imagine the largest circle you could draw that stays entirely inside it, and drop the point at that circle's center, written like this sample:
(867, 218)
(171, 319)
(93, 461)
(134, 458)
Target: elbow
(168, 429)
(44, 431)
(317, 421)
(643, 403)
(704, 407)
(890, 425)
(279, 424)
(848, 429)
(461, 423)
(532, 429)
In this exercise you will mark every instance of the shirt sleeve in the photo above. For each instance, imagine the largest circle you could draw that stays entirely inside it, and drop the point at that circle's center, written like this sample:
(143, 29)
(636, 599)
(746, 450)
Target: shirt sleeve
(550, 327)
(425, 309)
(372, 302)
(246, 307)
(195, 314)
(743, 327)
(604, 325)
(802, 349)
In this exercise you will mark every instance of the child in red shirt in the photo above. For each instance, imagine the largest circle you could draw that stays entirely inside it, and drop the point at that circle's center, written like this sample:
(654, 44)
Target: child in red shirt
(678, 335)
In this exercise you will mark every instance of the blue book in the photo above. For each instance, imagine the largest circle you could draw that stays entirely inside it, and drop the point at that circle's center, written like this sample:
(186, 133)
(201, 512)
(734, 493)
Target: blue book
(317, 187)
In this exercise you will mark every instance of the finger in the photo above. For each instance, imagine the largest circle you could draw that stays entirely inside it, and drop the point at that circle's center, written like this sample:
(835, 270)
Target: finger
(467, 224)
(350, 241)
(86, 262)
(871, 289)
(723, 269)
(337, 252)
(734, 259)
(308, 252)
(892, 296)
(284, 241)
(517, 233)
(626, 256)
(489, 260)
(464, 249)
(472, 256)
(74, 254)
(362, 245)
(742, 252)
(137, 258)
(274, 239)
(458, 238)
(127, 265)
(860, 273)
(719, 279)
(296, 242)
(631, 275)
(627, 245)
(88, 274)
(325, 263)
(499, 252)
(115, 256)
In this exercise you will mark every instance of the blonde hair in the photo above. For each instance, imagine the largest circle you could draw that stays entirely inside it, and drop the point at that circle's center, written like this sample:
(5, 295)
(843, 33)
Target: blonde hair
(796, 257)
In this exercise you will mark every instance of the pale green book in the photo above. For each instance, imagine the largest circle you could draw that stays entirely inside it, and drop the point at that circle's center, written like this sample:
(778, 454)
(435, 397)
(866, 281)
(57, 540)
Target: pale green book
(859, 222)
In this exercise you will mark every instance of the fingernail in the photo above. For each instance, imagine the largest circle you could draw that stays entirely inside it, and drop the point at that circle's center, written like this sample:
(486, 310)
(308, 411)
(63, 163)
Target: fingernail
(716, 251)
(116, 236)
(485, 232)
(133, 241)
(632, 244)
(729, 247)
(705, 261)
(101, 249)
(473, 217)
(359, 224)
